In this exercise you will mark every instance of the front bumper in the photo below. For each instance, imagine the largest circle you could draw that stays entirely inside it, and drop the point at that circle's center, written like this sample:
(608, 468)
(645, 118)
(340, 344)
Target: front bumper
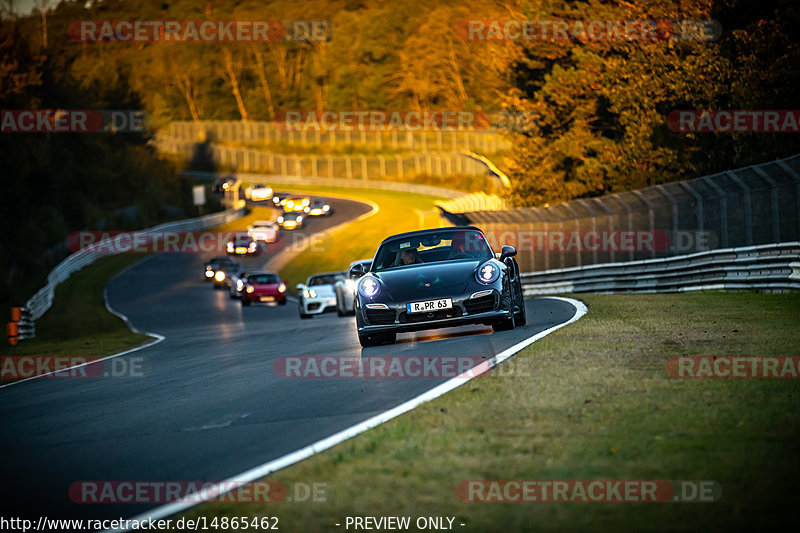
(263, 298)
(317, 306)
(466, 310)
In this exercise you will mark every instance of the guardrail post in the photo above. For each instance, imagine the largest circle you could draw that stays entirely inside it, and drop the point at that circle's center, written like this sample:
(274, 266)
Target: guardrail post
(723, 210)
(629, 212)
(748, 207)
(668, 196)
(610, 214)
(650, 214)
(773, 194)
(790, 171)
(697, 198)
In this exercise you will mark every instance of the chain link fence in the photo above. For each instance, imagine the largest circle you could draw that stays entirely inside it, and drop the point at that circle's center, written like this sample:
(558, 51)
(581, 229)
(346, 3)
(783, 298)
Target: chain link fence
(754, 205)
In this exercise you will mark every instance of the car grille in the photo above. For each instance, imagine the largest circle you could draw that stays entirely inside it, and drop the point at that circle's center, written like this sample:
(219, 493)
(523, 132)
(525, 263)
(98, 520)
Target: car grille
(378, 317)
(313, 306)
(481, 304)
(406, 318)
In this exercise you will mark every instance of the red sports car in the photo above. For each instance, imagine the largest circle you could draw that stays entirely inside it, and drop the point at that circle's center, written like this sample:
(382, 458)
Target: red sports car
(263, 287)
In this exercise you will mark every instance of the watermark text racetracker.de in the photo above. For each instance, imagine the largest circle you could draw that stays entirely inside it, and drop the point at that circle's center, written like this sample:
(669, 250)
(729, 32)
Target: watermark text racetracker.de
(602, 240)
(194, 492)
(198, 31)
(733, 367)
(13, 367)
(186, 242)
(734, 121)
(588, 491)
(591, 30)
(441, 120)
(395, 367)
(72, 121)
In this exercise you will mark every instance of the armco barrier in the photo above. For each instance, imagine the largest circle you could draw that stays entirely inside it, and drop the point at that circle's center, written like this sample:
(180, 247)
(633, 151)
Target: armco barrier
(331, 182)
(749, 206)
(43, 299)
(774, 267)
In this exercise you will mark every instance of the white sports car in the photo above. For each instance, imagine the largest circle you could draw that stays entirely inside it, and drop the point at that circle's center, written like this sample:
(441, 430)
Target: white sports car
(263, 230)
(317, 295)
(258, 192)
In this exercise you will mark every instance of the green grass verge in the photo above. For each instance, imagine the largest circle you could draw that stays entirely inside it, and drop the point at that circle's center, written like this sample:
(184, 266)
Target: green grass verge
(335, 251)
(590, 401)
(79, 324)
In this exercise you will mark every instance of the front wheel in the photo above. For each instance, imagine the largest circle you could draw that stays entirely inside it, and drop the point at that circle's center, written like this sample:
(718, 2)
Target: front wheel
(507, 323)
(521, 317)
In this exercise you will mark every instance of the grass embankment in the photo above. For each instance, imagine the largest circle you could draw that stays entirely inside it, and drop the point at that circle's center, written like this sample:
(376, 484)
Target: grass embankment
(590, 401)
(78, 323)
(397, 212)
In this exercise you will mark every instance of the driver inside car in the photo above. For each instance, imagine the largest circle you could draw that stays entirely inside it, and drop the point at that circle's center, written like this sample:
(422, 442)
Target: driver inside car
(409, 256)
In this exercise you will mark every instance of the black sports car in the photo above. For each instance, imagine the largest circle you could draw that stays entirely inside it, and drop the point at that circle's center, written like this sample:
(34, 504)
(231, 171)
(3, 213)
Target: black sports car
(437, 278)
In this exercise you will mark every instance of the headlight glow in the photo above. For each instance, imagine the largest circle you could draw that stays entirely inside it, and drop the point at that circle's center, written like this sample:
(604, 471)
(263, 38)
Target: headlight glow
(230, 246)
(282, 287)
(209, 273)
(326, 207)
(252, 247)
(239, 285)
(309, 293)
(219, 276)
(369, 286)
(488, 273)
(280, 219)
(249, 290)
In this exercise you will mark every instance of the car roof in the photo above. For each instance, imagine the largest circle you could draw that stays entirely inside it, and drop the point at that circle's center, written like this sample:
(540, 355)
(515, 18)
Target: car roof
(430, 232)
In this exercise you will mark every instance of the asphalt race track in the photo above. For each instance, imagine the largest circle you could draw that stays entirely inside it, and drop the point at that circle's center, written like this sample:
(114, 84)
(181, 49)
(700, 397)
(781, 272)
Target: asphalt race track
(209, 405)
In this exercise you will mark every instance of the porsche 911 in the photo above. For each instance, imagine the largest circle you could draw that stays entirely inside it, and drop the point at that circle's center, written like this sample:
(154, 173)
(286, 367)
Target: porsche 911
(434, 279)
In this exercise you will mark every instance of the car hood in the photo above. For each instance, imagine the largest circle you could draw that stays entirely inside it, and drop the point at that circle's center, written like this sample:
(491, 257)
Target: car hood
(429, 277)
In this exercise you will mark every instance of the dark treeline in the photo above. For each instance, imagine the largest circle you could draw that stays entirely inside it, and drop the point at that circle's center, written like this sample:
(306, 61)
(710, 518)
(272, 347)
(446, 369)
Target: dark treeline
(597, 109)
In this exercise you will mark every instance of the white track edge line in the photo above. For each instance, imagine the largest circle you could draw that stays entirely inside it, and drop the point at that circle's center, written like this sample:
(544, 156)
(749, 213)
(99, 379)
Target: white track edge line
(156, 337)
(337, 438)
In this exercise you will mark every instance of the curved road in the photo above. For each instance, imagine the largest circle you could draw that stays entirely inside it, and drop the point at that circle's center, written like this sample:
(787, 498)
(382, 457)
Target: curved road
(209, 405)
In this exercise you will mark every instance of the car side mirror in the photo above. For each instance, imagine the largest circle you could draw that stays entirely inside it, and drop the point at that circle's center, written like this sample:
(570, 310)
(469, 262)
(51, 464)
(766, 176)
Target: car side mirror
(300, 286)
(357, 271)
(507, 251)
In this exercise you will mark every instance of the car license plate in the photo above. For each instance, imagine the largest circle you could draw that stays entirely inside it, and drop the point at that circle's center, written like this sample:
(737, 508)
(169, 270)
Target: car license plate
(267, 298)
(429, 306)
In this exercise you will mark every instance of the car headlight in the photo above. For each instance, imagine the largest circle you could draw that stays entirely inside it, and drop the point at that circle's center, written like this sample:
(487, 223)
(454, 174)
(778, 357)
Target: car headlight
(326, 208)
(299, 219)
(252, 247)
(230, 247)
(209, 273)
(280, 220)
(369, 286)
(219, 276)
(309, 293)
(282, 287)
(488, 273)
(249, 290)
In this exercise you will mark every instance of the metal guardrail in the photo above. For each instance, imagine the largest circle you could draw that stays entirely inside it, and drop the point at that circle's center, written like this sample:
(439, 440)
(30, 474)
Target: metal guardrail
(331, 182)
(774, 267)
(43, 299)
(749, 206)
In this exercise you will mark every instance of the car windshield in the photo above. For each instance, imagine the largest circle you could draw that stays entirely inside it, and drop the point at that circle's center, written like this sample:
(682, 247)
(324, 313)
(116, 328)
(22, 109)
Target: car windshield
(327, 279)
(263, 278)
(446, 245)
(230, 268)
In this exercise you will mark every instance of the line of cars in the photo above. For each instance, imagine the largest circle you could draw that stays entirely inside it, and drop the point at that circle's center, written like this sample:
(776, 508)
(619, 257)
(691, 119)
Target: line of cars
(422, 280)
(249, 286)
